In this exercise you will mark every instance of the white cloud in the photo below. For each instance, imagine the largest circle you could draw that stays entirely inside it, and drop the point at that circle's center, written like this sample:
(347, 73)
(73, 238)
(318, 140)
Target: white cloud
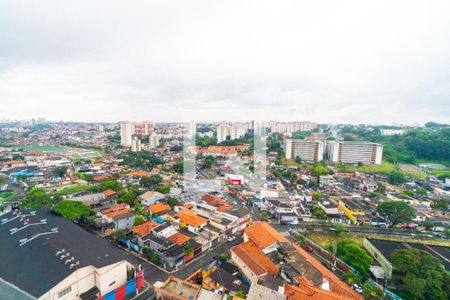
(328, 61)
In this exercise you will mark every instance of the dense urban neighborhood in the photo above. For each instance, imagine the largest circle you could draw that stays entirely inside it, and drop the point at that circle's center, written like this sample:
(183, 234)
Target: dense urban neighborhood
(224, 210)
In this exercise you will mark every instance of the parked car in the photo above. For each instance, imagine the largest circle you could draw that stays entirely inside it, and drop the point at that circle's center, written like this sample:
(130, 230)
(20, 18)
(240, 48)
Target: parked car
(309, 249)
(357, 288)
(231, 238)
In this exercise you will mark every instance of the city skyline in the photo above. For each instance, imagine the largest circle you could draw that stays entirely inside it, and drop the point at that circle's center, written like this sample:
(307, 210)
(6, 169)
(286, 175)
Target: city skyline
(340, 63)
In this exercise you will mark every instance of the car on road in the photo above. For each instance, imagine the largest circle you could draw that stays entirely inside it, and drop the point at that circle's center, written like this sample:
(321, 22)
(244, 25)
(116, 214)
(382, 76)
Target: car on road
(309, 249)
(231, 238)
(357, 288)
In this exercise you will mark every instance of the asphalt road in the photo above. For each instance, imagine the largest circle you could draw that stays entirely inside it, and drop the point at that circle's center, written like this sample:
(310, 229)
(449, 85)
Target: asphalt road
(153, 273)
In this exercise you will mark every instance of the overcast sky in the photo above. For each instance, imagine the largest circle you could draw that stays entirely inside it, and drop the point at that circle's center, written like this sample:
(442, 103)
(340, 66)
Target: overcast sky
(325, 61)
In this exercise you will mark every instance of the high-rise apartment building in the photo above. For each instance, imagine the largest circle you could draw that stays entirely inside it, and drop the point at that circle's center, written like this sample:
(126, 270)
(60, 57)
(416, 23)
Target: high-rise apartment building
(143, 128)
(353, 152)
(126, 133)
(290, 127)
(191, 128)
(234, 131)
(153, 140)
(136, 144)
(308, 151)
(99, 128)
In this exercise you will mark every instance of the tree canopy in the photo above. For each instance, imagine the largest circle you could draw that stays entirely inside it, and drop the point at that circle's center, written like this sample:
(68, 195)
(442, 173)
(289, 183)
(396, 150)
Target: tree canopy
(396, 212)
(354, 255)
(37, 198)
(72, 209)
(150, 181)
(425, 277)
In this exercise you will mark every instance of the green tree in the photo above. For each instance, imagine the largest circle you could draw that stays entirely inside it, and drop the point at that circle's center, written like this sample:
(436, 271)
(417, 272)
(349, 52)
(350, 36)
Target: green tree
(298, 159)
(240, 294)
(374, 195)
(381, 188)
(371, 291)
(72, 209)
(128, 196)
(139, 220)
(110, 184)
(425, 277)
(264, 215)
(318, 213)
(151, 181)
(354, 255)
(223, 256)
(164, 189)
(319, 169)
(395, 212)
(173, 202)
(37, 198)
(351, 278)
(396, 177)
(208, 162)
(60, 171)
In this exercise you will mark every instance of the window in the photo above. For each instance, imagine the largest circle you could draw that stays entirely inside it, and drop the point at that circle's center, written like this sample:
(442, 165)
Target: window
(112, 283)
(64, 292)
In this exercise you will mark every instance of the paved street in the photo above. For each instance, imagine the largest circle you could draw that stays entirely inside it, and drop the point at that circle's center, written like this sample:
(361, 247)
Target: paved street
(153, 274)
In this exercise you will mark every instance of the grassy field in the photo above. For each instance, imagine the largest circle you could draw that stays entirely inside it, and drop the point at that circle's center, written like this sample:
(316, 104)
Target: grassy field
(7, 196)
(289, 162)
(42, 148)
(384, 168)
(322, 238)
(440, 172)
(69, 190)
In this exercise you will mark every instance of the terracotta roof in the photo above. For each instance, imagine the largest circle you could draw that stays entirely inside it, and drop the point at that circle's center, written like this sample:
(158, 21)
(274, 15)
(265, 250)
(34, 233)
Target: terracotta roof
(118, 213)
(336, 285)
(255, 259)
(158, 207)
(144, 228)
(307, 291)
(100, 177)
(12, 162)
(138, 174)
(109, 193)
(115, 208)
(190, 218)
(264, 235)
(179, 238)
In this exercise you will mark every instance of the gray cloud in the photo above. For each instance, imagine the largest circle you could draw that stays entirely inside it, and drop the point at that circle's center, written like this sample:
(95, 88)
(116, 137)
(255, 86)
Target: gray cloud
(328, 61)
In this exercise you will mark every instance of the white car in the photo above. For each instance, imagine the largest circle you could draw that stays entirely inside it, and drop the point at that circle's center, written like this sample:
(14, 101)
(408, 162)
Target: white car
(231, 238)
(357, 288)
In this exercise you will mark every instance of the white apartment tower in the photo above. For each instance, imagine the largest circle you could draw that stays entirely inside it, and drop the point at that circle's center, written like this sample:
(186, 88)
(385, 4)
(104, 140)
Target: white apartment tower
(153, 140)
(307, 150)
(136, 144)
(126, 133)
(234, 131)
(192, 128)
(353, 152)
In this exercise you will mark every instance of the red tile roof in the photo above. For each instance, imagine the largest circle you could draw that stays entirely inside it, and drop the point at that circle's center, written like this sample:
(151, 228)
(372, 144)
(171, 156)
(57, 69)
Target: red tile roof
(158, 207)
(109, 193)
(144, 228)
(255, 259)
(191, 219)
(179, 238)
(264, 235)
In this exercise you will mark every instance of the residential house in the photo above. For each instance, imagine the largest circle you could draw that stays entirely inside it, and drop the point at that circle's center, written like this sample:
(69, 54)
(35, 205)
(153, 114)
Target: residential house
(189, 220)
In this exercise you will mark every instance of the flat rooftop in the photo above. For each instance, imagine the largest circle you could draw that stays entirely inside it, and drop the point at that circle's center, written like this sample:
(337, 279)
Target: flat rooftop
(181, 288)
